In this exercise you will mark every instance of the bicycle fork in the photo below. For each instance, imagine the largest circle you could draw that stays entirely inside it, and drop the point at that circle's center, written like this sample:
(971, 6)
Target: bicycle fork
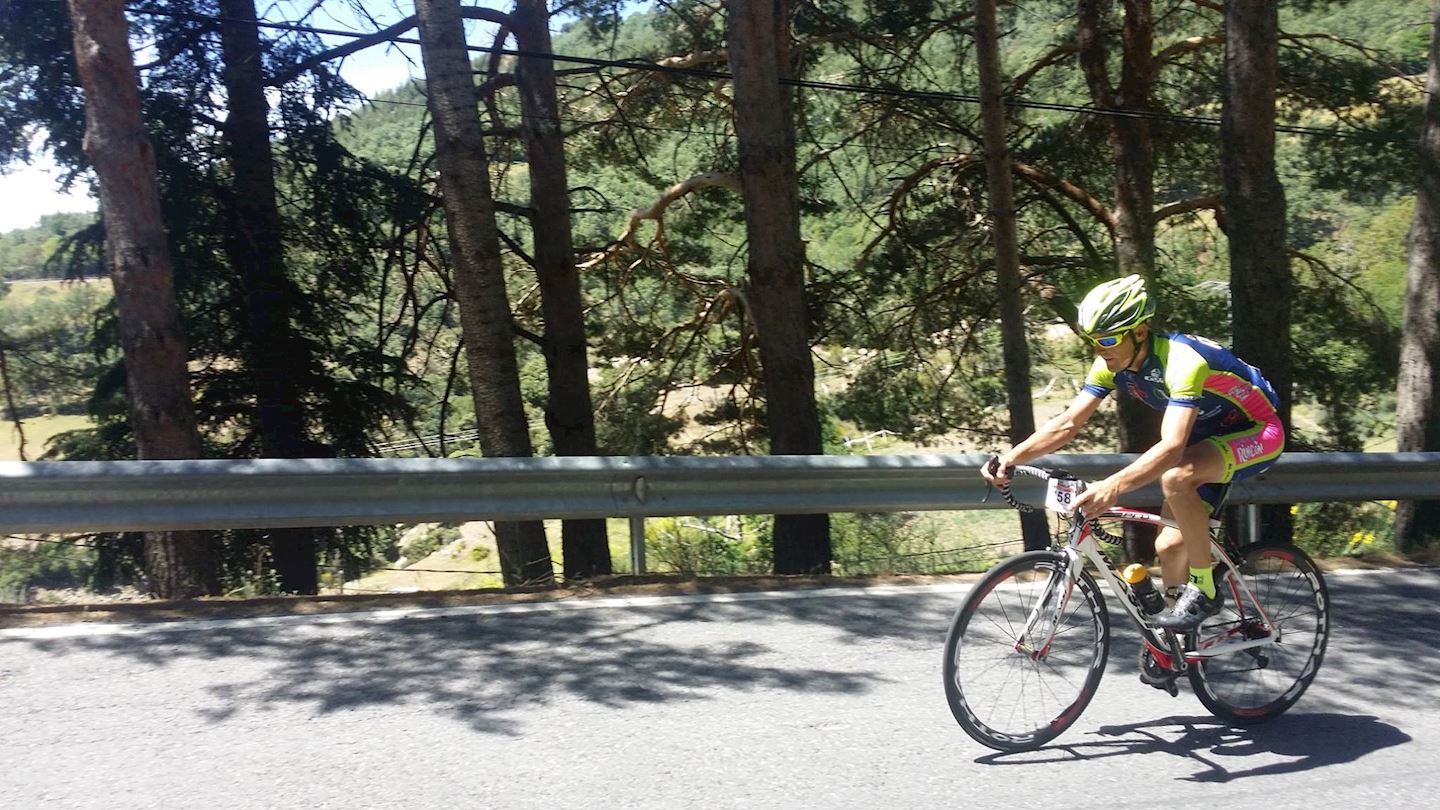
(1044, 621)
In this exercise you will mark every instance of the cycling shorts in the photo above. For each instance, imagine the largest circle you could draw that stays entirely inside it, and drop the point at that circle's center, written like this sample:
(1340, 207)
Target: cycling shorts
(1246, 453)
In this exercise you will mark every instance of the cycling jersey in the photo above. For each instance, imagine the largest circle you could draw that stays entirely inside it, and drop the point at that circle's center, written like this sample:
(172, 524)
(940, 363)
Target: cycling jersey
(1194, 372)
(1236, 403)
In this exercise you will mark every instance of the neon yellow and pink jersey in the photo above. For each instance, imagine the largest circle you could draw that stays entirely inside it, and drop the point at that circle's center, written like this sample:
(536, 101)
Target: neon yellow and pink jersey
(1194, 372)
(1236, 403)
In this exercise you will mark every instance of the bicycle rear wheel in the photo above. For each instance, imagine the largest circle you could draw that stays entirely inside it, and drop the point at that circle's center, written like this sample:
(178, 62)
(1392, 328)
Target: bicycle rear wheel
(1260, 683)
(1012, 690)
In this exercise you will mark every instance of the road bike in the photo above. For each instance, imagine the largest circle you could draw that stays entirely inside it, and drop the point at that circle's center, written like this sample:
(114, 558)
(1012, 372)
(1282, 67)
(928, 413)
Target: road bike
(1028, 646)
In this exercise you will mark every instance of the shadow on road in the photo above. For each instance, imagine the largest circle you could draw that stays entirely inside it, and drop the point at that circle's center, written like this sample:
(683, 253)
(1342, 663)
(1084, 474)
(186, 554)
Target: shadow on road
(488, 669)
(1292, 743)
(485, 671)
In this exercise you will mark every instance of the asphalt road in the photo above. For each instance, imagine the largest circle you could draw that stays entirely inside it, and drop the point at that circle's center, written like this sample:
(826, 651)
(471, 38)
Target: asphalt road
(822, 699)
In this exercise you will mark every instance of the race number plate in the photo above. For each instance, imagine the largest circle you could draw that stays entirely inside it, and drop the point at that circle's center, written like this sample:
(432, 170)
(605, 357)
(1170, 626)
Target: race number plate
(1061, 493)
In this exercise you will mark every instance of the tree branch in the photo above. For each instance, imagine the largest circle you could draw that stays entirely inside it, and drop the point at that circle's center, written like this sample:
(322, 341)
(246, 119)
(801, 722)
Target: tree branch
(1185, 46)
(486, 14)
(656, 212)
(1083, 198)
(1175, 209)
(1056, 55)
(1090, 44)
(380, 37)
(369, 40)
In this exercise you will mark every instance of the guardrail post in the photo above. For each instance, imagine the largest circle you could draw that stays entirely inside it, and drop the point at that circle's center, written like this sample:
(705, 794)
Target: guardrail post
(1252, 523)
(637, 544)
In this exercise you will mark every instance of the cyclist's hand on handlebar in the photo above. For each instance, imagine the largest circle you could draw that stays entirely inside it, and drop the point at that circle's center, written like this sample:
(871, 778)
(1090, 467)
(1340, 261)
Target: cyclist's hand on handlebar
(1097, 498)
(996, 471)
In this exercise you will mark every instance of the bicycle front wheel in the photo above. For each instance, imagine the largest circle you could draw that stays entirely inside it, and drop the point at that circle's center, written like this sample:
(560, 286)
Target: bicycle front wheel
(1025, 652)
(1284, 601)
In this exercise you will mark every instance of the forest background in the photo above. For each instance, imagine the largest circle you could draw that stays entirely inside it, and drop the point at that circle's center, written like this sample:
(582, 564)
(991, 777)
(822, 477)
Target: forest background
(901, 310)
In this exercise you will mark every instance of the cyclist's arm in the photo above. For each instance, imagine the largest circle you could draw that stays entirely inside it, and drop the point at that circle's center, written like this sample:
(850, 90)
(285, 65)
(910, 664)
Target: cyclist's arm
(1055, 433)
(1175, 428)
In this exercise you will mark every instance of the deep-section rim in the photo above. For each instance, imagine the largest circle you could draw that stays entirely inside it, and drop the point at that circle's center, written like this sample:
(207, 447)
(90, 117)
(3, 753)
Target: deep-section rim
(1300, 603)
(1086, 597)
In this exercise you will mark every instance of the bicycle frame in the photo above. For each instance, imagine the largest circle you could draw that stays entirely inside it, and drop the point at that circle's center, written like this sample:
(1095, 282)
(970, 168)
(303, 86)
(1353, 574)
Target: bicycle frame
(1082, 545)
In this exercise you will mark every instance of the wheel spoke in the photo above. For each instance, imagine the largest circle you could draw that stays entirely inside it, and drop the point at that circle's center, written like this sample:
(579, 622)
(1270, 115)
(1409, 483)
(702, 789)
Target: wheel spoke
(1009, 698)
(1260, 682)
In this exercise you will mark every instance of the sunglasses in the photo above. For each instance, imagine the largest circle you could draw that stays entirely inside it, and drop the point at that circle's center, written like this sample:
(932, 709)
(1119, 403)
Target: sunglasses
(1110, 341)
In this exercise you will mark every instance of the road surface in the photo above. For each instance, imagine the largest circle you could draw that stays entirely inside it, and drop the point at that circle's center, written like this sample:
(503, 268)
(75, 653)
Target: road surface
(813, 699)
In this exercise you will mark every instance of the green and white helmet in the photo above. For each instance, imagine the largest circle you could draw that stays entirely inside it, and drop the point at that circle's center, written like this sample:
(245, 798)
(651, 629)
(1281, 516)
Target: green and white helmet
(1115, 306)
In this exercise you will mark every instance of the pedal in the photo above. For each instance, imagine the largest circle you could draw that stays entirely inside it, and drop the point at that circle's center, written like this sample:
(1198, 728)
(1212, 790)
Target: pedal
(1165, 683)
(1151, 673)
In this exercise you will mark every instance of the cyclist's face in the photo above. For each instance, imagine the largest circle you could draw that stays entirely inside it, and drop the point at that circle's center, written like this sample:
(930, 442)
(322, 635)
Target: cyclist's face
(1125, 353)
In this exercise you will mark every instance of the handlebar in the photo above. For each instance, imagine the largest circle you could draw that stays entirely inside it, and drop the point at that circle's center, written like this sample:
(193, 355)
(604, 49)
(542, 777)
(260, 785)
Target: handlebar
(1028, 470)
(1044, 474)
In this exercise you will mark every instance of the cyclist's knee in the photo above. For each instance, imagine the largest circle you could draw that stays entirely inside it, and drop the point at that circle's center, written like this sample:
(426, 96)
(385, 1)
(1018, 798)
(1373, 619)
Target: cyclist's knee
(1167, 539)
(1180, 480)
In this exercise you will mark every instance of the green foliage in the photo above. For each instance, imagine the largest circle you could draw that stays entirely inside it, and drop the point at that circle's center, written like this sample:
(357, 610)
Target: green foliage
(1373, 254)
(709, 546)
(919, 402)
(31, 253)
(1346, 356)
(39, 82)
(1396, 29)
(867, 543)
(895, 213)
(434, 537)
(1345, 529)
(46, 564)
(629, 420)
(339, 215)
(44, 329)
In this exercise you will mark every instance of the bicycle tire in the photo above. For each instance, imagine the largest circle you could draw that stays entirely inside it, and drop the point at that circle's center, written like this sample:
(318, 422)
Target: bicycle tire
(1052, 688)
(1253, 686)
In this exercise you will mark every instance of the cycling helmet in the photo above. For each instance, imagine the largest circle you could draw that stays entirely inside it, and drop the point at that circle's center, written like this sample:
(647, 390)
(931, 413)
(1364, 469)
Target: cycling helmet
(1115, 306)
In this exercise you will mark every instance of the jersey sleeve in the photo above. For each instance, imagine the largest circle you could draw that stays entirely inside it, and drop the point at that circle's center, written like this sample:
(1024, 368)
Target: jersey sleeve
(1100, 381)
(1185, 375)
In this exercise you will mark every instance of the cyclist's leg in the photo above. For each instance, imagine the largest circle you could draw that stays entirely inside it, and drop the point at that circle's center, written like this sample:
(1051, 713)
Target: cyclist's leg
(1203, 463)
(1170, 547)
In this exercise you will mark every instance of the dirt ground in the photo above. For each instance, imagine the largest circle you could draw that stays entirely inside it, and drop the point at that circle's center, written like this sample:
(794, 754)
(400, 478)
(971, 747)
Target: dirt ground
(222, 608)
(145, 610)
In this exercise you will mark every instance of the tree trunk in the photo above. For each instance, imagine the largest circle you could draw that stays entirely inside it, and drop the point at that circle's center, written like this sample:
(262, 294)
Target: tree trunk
(1001, 184)
(178, 564)
(256, 250)
(479, 277)
(1133, 154)
(569, 414)
(1417, 415)
(758, 43)
(1261, 285)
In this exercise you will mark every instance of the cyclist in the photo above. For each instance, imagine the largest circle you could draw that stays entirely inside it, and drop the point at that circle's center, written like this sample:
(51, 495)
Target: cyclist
(1220, 425)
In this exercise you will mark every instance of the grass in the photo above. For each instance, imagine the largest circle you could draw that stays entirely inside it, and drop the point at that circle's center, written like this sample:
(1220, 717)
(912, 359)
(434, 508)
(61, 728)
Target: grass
(24, 293)
(454, 567)
(976, 538)
(38, 431)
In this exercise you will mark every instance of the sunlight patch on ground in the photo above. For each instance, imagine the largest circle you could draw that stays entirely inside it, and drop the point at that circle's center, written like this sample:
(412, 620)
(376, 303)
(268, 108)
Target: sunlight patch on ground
(38, 431)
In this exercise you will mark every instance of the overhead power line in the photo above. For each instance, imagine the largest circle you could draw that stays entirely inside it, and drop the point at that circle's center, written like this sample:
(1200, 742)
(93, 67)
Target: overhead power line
(809, 84)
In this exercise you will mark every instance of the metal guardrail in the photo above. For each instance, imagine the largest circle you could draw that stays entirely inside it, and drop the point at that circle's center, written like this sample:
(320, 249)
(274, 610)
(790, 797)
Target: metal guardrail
(83, 496)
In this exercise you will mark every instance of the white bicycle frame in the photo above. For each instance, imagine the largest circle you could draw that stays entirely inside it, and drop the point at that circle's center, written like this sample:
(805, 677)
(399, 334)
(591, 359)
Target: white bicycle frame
(1083, 545)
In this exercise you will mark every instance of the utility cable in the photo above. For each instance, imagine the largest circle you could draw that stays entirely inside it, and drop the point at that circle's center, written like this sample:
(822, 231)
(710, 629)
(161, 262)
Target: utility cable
(811, 84)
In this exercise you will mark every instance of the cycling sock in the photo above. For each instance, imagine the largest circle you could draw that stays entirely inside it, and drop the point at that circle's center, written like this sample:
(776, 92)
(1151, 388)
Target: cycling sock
(1204, 579)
